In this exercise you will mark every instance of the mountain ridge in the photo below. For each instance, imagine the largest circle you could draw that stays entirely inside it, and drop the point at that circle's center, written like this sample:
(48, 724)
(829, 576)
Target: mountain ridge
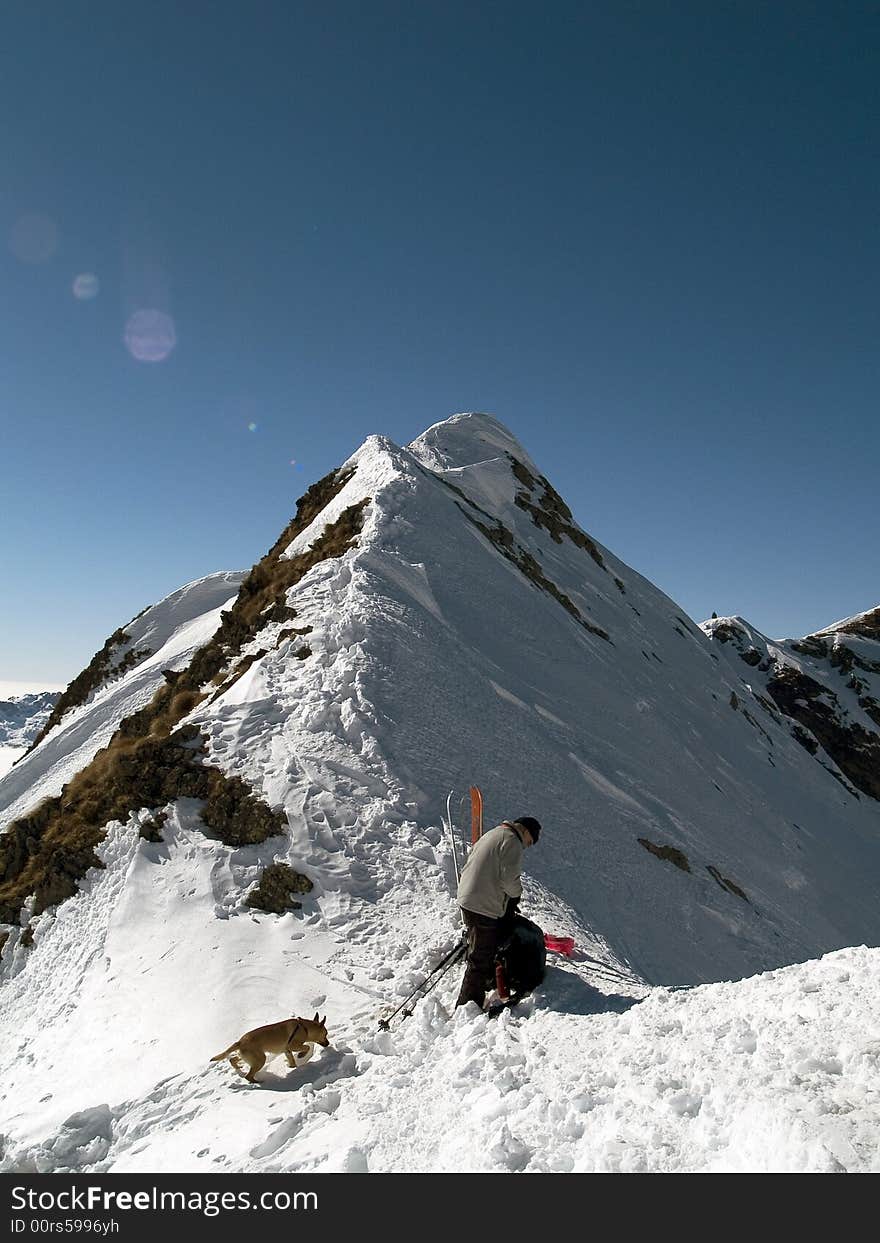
(470, 471)
(297, 730)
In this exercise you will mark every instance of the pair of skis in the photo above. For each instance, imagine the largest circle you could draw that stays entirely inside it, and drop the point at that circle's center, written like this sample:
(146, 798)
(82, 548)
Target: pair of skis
(458, 951)
(476, 799)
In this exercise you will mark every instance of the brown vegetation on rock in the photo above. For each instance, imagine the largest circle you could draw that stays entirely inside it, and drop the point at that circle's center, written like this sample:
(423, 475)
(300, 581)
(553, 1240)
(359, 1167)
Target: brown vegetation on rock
(671, 855)
(96, 673)
(723, 881)
(277, 886)
(262, 596)
(503, 540)
(48, 851)
(550, 511)
(812, 646)
(149, 761)
(668, 853)
(291, 633)
(867, 626)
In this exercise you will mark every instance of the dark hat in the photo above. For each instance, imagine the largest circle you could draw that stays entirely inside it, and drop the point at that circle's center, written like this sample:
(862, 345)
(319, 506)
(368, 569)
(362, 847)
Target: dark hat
(530, 823)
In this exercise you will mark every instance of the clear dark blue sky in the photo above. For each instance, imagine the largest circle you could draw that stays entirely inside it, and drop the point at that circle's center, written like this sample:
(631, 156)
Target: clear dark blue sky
(643, 235)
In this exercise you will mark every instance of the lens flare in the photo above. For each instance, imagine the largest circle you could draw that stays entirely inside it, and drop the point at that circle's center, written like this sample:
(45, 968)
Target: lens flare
(34, 238)
(86, 286)
(150, 336)
(252, 427)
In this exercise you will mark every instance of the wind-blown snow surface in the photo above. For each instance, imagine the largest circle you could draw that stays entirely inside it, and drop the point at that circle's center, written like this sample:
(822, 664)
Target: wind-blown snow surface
(436, 662)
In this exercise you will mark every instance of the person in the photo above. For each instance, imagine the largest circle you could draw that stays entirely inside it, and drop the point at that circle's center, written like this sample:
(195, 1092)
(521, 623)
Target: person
(488, 894)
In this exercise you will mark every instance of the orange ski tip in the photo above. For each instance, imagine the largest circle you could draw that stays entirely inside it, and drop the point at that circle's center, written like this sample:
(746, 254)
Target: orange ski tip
(476, 813)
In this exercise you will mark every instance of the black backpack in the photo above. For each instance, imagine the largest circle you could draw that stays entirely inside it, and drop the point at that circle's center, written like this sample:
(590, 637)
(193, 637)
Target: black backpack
(520, 959)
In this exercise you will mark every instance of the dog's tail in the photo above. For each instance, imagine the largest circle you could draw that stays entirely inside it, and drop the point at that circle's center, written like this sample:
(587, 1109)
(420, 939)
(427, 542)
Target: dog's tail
(218, 1057)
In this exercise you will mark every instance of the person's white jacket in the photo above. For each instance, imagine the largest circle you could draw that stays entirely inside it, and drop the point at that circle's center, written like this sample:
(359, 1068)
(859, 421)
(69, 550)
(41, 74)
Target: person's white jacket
(491, 874)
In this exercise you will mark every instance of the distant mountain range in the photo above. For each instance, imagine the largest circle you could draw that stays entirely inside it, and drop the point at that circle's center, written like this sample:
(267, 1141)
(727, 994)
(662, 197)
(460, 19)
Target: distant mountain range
(23, 717)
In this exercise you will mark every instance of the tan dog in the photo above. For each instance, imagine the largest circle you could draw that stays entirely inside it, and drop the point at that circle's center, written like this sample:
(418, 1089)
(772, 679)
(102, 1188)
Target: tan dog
(295, 1038)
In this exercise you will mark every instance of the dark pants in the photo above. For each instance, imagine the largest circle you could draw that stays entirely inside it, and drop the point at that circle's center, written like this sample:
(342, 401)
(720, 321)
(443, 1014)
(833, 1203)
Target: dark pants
(483, 937)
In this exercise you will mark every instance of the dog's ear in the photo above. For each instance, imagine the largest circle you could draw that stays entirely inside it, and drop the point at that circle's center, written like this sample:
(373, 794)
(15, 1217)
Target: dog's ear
(324, 1021)
(316, 1019)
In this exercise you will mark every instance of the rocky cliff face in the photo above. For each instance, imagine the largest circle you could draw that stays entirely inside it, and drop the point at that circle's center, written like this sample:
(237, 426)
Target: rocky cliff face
(826, 686)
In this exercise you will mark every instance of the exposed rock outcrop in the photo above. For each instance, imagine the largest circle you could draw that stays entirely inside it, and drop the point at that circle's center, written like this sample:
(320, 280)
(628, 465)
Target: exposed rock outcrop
(277, 888)
(823, 684)
(152, 759)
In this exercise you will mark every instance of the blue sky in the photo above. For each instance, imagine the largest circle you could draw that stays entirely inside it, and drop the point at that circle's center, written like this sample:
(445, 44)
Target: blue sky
(643, 235)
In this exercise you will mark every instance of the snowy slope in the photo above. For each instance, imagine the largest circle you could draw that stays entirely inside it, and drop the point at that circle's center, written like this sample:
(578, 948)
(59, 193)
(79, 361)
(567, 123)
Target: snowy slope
(172, 630)
(8, 757)
(472, 632)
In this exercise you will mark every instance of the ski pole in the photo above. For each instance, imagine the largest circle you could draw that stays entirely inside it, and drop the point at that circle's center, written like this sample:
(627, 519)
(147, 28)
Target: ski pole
(442, 967)
(458, 953)
(451, 827)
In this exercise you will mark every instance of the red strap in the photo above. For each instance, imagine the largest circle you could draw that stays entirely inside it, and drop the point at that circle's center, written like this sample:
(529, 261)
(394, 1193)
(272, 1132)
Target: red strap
(501, 982)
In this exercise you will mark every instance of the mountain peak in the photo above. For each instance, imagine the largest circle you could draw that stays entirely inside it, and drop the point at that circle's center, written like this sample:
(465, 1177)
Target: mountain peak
(466, 440)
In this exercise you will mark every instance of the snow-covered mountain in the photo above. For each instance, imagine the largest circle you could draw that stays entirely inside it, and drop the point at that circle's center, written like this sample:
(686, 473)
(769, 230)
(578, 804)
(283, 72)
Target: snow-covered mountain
(22, 717)
(240, 807)
(827, 685)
